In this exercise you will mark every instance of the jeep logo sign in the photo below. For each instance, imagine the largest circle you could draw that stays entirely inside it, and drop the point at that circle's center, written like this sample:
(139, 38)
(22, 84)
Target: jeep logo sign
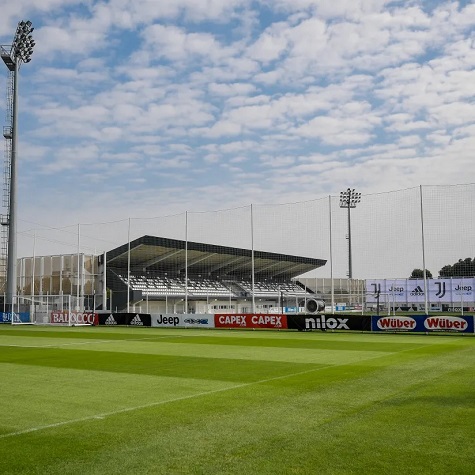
(183, 320)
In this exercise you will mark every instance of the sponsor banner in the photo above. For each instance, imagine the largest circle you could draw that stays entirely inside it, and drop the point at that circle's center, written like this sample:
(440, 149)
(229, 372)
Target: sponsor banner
(138, 319)
(21, 317)
(448, 308)
(462, 291)
(132, 319)
(187, 320)
(112, 319)
(456, 291)
(423, 323)
(329, 322)
(250, 320)
(61, 317)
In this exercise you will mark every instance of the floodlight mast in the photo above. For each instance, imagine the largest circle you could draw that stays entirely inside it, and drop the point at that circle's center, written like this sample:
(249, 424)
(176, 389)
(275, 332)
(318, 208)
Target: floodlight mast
(13, 56)
(349, 199)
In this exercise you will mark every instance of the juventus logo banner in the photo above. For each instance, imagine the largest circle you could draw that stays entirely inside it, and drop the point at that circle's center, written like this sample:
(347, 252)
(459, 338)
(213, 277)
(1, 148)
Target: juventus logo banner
(406, 291)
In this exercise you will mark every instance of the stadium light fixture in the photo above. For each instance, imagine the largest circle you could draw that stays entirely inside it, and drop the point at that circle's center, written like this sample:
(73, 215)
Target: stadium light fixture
(349, 199)
(13, 56)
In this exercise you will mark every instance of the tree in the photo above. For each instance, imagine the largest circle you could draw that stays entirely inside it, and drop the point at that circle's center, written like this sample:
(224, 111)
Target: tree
(462, 268)
(419, 274)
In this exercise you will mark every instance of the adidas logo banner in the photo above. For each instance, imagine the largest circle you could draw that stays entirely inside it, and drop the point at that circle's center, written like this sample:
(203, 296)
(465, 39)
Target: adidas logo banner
(136, 321)
(132, 319)
(110, 321)
(407, 292)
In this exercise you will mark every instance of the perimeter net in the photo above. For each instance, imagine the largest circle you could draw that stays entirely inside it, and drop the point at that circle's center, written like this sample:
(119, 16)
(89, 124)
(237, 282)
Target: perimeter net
(50, 310)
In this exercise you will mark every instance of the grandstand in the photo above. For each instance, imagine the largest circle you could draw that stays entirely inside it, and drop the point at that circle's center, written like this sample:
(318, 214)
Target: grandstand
(157, 274)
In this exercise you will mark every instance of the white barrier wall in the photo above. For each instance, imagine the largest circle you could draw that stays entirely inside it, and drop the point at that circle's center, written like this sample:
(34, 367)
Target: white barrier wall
(187, 320)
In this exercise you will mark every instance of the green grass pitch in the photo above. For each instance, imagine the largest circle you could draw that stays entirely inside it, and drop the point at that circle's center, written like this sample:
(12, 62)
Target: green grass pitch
(93, 400)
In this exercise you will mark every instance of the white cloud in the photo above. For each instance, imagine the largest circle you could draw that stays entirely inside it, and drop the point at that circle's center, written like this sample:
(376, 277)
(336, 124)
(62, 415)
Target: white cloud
(176, 104)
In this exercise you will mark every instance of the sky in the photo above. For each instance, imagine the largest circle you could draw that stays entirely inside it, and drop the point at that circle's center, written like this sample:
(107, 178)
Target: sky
(138, 108)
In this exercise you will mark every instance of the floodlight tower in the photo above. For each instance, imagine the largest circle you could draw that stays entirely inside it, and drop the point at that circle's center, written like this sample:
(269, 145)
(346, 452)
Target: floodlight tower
(13, 56)
(349, 199)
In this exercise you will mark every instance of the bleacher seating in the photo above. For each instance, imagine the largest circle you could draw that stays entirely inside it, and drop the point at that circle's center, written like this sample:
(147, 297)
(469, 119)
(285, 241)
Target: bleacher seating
(161, 286)
(272, 289)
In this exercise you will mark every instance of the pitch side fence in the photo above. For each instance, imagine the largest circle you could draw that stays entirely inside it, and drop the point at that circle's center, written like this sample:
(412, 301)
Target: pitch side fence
(344, 322)
(380, 241)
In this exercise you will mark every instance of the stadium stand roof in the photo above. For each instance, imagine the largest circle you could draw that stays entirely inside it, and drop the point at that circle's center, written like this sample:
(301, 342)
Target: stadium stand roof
(164, 255)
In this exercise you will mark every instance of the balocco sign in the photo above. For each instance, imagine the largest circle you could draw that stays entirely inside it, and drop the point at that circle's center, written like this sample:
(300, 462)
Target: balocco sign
(73, 318)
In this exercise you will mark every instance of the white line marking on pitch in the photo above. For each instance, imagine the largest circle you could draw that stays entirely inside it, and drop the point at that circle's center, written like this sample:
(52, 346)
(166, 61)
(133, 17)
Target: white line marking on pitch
(155, 404)
(184, 398)
(168, 401)
(90, 342)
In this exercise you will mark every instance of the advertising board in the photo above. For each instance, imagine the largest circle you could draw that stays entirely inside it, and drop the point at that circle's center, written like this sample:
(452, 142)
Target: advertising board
(403, 291)
(63, 317)
(329, 322)
(250, 320)
(423, 323)
(19, 317)
(187, 320)
(132, 319)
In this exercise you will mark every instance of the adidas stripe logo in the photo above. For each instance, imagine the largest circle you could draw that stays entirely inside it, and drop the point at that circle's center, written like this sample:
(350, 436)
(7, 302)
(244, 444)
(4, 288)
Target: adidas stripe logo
(110, 320)
(417, 291)
(136, 321)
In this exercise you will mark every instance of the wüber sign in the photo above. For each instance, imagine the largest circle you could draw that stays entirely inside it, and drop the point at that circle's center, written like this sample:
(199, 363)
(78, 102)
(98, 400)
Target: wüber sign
(249, 320)
(424, 323)
(458, 324)
(73, 318)
(396, 323)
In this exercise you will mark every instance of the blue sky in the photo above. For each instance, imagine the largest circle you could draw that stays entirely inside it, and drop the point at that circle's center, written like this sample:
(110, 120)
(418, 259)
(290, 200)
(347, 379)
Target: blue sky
(146, 108)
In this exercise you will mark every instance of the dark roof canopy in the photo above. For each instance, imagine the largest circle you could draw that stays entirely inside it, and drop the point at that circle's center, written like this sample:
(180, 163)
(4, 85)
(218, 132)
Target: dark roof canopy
(163, 255)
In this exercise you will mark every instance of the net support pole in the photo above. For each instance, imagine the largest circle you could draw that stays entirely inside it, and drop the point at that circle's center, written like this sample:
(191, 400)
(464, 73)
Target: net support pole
(426, 305)
(252, 262)
(78, 263)
(186, 262)
(331, 254)
(128, 268)
(104, 282)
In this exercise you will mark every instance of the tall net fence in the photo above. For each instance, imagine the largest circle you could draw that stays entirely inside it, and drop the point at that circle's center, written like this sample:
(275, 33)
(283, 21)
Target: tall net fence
(389, 236)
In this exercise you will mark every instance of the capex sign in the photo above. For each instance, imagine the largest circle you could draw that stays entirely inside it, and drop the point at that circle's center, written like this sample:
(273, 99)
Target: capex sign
(249, 320)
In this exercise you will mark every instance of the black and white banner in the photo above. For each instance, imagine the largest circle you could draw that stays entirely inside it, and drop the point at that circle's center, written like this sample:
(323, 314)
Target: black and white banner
(131, 319)
(329, 322)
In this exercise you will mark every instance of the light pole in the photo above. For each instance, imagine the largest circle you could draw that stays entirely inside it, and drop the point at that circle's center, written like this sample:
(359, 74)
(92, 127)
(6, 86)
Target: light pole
(13, 56)
(349, 199)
